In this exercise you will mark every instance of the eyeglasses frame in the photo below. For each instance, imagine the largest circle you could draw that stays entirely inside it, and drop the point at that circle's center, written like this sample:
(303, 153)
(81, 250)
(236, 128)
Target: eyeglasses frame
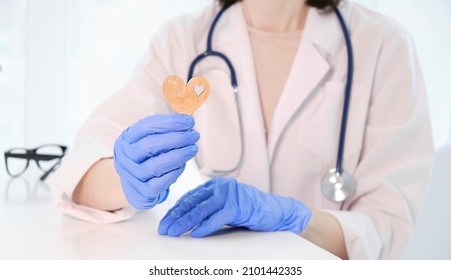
(32, 155)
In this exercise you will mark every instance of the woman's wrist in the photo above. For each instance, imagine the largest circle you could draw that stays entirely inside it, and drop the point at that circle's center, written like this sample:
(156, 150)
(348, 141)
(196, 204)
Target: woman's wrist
(100, 187)
(325, 231)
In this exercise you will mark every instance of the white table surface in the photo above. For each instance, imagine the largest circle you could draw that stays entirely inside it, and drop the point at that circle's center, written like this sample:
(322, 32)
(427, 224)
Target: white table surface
(32, 228)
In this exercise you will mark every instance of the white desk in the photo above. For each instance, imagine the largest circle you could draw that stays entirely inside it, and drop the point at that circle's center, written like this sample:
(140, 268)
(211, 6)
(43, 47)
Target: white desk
(32, 228)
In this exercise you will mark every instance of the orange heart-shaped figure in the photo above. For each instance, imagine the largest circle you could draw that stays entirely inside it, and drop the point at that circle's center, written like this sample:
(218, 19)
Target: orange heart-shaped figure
(186, 100)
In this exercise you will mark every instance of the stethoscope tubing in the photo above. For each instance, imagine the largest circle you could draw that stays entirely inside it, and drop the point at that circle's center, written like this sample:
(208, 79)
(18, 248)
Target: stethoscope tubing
(347, 97)
(210, 52)
(234, 83)
(337, 174)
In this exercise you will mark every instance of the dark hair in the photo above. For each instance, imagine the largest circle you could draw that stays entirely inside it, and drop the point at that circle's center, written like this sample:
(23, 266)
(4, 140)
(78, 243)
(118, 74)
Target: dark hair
(320, 4)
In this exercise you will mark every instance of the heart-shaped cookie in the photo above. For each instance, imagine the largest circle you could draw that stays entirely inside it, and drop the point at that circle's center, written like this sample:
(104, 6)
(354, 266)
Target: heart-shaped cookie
(186, 100)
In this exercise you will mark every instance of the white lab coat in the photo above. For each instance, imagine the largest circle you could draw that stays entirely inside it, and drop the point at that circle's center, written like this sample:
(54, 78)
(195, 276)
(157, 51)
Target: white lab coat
(388, 146)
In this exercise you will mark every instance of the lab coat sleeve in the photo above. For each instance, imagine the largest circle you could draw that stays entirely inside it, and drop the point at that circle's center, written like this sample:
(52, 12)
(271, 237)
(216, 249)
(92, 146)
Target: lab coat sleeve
(395, 160)
(95, 140)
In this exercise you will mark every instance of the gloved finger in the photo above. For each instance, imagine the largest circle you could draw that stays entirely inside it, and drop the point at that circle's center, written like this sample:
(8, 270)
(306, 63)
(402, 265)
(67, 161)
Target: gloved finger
(214, 223)
(166, 162)
(199, 194)
(134, 198)
(156, 144)
(152, 187)
(194, 197)
(183, 205)
(131, 188)
(157, 185)
(194, 217)
(156, 166)
(158, 124)
(141, 195)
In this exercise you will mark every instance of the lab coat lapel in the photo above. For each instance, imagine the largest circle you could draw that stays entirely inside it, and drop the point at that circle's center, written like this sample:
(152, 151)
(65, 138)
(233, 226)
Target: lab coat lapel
(321, 37)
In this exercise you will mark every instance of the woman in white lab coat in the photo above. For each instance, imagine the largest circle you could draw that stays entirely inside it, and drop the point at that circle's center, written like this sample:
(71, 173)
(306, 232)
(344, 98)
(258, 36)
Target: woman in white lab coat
(290, 133)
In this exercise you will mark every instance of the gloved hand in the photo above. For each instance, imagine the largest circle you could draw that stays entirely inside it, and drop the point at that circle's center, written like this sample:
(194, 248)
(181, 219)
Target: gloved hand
(151, 154)
(224, 201)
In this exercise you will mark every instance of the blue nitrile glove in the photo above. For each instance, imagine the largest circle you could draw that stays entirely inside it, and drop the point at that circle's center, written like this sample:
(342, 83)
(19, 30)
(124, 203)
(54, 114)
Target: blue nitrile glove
(223, 201)
(151, 154)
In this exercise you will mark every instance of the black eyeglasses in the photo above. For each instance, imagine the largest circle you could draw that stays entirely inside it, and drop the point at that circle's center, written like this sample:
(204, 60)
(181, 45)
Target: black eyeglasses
(47, 157)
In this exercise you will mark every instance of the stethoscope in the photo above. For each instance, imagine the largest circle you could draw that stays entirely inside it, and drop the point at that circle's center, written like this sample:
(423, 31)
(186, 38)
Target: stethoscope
(337, 184)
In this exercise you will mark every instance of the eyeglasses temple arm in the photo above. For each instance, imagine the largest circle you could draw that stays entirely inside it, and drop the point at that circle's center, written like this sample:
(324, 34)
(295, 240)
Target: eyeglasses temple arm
(47, 173)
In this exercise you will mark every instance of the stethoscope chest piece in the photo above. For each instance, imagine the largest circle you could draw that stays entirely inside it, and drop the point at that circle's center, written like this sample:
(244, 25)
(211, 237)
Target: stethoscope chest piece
(337, 186)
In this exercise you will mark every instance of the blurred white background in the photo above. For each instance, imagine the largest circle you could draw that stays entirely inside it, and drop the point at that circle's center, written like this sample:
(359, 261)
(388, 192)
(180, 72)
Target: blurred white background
(61, 58)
